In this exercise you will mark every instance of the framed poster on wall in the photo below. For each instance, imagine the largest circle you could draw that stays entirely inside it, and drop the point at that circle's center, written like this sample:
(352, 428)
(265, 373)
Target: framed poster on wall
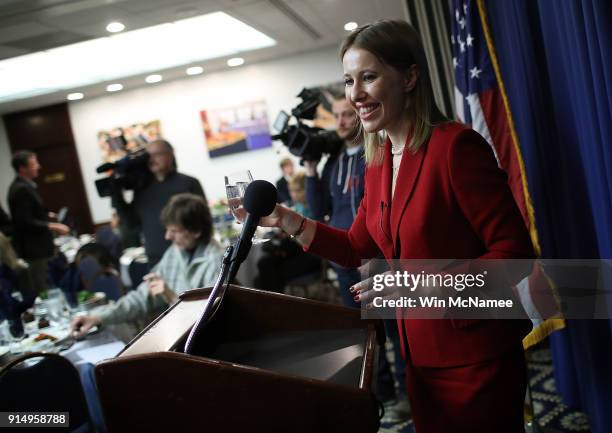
(116, 142)
(240, 128)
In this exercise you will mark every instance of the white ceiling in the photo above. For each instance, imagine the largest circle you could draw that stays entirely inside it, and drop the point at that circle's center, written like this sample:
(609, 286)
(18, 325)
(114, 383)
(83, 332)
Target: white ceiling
(28, 26)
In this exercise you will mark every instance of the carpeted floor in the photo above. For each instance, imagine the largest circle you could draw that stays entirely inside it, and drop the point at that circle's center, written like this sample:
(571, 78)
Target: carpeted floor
(551, 414)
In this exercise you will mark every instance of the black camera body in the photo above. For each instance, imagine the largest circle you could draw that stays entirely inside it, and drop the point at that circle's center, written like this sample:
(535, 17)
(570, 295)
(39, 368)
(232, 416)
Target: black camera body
(305, 141)
(128, 173)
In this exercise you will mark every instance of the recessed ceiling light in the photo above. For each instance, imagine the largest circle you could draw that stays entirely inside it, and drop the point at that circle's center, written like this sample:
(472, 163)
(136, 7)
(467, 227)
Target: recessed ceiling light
(194, 70)
(115, 27)
(74, 96)
(154, 78)
(235, 61)
(350, 26)
(114, 87)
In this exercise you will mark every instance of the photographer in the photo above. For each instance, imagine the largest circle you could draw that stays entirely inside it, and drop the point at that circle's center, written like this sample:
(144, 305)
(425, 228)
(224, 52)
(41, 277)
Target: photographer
(149, 200)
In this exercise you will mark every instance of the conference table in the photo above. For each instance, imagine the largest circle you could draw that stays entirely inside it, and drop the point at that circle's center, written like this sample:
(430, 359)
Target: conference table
(101, 343)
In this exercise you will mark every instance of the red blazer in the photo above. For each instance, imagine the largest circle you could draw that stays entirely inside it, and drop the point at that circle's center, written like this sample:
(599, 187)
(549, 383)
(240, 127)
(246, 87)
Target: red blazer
(451, 202)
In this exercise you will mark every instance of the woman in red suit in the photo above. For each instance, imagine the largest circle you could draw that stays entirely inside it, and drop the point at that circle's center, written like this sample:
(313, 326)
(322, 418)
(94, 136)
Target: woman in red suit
(433, 191)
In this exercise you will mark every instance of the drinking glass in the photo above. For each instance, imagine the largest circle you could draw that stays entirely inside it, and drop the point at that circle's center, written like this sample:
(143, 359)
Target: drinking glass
(235, 187)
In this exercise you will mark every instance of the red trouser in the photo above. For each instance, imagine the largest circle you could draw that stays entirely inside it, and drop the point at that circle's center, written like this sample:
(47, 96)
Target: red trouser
(485, 397)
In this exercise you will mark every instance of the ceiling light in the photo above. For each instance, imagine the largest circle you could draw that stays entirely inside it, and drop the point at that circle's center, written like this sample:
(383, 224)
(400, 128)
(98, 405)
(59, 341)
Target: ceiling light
(159, 47)
(350, 26)
(194, 70)
(235, 61)
(74, 96)
(115, 27)
(155, 78)
(114, 87)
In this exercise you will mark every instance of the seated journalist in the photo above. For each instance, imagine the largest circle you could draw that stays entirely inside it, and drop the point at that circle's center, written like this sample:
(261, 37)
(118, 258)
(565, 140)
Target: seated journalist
(192, 260)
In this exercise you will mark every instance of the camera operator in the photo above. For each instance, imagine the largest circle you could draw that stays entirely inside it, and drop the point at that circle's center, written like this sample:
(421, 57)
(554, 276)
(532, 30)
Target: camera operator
(149, 200)
(338, 192)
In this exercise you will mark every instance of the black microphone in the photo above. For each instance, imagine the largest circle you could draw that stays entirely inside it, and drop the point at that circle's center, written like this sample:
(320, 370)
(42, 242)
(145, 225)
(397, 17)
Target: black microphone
(259, 201)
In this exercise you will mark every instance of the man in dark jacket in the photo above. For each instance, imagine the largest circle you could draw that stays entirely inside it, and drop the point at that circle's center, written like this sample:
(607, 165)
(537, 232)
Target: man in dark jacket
(149, 201)
(33, 232)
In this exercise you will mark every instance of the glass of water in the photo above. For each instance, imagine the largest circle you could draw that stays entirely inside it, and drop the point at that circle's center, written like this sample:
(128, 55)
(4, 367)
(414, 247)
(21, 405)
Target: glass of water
(235, 187)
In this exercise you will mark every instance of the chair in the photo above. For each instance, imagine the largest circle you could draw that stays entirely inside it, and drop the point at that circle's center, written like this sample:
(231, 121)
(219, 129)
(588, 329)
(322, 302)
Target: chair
(137, 270)
(48, 384)
(106, 237)
(110, 284)
(98, 279)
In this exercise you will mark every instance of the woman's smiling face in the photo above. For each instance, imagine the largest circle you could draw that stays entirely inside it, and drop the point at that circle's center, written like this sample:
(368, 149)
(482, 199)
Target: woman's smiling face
(377, 92)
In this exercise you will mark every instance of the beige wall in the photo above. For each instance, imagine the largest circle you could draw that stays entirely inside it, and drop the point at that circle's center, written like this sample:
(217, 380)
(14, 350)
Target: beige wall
(177, 105)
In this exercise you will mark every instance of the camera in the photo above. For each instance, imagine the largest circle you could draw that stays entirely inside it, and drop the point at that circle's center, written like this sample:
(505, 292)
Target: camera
(129, 172)
(306, 142)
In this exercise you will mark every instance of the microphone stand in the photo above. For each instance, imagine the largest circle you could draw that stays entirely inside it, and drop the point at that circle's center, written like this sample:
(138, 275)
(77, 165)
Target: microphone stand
(214, 300)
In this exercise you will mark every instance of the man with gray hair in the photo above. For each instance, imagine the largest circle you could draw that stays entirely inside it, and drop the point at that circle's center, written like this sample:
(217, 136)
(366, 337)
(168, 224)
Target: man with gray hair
(164, 182)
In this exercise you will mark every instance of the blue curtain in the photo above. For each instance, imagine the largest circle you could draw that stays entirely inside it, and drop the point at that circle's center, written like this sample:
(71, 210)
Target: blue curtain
(556, 62)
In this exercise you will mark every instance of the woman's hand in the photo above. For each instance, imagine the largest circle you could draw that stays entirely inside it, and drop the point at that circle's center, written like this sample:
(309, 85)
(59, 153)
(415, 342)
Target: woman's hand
(275, 219)
(285, 219)
(366, 290)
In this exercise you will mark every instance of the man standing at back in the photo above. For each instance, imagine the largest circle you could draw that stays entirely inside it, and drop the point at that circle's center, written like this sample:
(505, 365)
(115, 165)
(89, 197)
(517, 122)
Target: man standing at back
(149, 201)
(33, 232)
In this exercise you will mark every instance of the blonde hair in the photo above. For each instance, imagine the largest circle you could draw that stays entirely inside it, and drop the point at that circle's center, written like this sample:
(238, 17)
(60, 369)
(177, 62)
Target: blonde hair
(285, 161)
(297, 181)
(396, 44)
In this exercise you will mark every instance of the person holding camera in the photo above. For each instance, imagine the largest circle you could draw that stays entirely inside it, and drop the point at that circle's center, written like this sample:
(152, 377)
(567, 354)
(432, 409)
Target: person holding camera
(193, 260)
(337, 193)
(165, 181)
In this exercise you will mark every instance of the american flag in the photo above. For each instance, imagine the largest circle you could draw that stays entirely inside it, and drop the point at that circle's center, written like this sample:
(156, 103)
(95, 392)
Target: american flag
(479, 102)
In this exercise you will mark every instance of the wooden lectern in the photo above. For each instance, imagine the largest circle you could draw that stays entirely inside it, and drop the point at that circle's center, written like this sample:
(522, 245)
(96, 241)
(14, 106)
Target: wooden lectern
(265, 363)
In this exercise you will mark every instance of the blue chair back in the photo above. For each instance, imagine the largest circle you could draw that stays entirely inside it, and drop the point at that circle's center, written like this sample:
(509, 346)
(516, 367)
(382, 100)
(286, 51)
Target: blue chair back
(137, 270)
(109, 284)
(106, 237)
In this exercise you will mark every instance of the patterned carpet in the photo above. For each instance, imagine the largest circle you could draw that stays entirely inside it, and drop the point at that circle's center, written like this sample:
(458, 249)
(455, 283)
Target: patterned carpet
(552, 415)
